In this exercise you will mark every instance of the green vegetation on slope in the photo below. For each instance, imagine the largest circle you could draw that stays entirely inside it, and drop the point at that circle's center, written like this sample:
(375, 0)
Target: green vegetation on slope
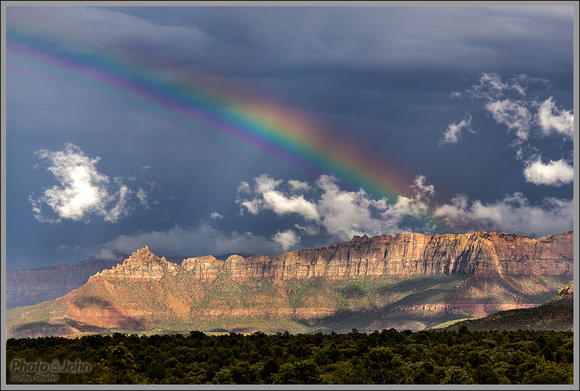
(556, 314)
(179, 303)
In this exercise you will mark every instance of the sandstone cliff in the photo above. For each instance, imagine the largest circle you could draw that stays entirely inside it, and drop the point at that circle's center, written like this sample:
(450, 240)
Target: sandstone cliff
(405, 254)
(406, 281)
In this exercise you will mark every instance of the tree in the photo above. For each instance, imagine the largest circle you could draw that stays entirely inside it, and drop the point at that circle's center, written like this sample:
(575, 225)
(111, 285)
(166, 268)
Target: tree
(120, 366)
(548, 372)
(381, 366)
(243, 373)
(270, 367)
(299, 372)
(456, 375)
(484, 374)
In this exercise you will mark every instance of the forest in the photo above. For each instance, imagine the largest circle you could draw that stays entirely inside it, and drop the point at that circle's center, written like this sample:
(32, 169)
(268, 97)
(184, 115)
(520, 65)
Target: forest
(382, 357)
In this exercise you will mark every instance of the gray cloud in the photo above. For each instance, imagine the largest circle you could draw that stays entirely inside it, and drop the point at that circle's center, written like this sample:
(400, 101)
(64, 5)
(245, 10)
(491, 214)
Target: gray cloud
(359, 38)
(197, 241)
(514, 213)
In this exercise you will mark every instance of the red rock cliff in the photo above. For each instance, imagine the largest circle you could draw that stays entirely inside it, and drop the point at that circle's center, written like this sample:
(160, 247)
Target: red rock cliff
(404, 254)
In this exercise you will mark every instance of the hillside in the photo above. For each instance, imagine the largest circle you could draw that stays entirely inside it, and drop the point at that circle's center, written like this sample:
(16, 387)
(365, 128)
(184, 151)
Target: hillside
(409, 281)
(556, 314)
(32, 286)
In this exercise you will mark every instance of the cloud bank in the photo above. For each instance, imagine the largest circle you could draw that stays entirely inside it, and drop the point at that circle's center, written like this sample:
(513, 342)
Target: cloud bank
(512, 214)
(82, 191)
(193, 241)
(329, 210)
(342, 214)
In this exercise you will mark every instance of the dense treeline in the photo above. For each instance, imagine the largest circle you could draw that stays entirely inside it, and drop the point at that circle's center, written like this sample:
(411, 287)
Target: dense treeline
(386, 357)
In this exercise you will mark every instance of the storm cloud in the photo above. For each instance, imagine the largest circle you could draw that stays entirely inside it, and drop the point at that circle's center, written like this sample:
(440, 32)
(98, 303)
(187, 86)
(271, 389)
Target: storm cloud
(467, 110)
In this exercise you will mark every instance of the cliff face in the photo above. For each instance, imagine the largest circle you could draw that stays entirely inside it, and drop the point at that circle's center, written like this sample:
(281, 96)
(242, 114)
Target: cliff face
(142, 265)
(27, 287)
(338, 287)
(405, 254)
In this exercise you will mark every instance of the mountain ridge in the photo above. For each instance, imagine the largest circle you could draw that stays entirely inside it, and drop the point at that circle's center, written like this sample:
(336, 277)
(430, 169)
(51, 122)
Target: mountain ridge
(401, 255)
(408, 280)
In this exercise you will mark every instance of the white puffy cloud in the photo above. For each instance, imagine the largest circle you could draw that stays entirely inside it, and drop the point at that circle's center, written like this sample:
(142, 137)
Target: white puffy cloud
(331, 210)
(553, 120)
(346, 214)
(281, 204)
(268, 197)
(527, 118)
(82, 191)
(451, 135)
(555, 173)
(513, 214)
(523, 116)
(514, 114)
(490, 86)
(286, 239)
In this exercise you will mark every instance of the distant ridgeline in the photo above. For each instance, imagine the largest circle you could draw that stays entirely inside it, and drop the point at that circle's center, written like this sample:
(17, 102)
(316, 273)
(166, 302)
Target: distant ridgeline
(33, 286)
(409, 281)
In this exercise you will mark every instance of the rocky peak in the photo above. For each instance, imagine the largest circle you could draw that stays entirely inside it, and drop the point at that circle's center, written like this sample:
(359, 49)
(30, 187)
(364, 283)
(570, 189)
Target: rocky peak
(141, 265)
(143, 257)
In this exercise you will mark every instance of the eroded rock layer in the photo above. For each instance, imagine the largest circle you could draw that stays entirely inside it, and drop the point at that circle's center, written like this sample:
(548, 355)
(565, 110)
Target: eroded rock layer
(404, 254)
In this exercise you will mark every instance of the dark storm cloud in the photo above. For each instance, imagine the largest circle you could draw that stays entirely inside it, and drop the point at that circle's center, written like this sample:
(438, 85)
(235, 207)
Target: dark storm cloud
(266, 40)
(380, 77)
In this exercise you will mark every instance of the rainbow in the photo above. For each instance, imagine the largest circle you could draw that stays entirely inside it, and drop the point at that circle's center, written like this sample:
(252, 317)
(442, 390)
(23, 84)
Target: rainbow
(280, 131)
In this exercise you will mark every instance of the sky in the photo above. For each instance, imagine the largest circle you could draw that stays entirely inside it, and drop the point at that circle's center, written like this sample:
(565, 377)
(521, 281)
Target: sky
(198, 130)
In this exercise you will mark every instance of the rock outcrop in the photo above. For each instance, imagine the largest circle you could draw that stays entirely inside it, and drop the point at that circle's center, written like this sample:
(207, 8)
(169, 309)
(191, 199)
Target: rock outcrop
(142, 265)
(404, 254)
